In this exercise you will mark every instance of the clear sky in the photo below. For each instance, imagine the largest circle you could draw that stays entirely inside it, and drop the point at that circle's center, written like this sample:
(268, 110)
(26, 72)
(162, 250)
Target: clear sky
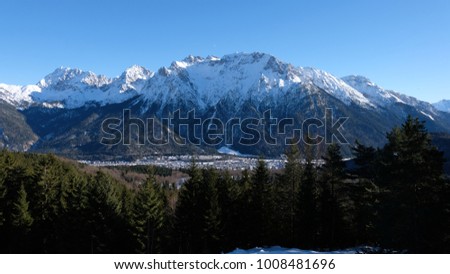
(400, 45)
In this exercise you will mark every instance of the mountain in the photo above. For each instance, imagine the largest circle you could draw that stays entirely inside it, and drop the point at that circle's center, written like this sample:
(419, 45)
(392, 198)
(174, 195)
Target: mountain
(15, 133)
(443, 105)
(66, 109)
(17, 95)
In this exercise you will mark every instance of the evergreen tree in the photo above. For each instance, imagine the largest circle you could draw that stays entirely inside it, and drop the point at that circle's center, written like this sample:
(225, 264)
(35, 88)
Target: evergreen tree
(364, 195)
(332, 174)
(291, 185)
(258, 206)
(231, 205)
(103, 213)
(149, 215)
(412, 178)
(213, 232)
(241, 212)
(190, 211)
(14, 202)
(2, 190)
(21, 220)
(365, 160)
(21, 217)
(74, 233)
(307, 213)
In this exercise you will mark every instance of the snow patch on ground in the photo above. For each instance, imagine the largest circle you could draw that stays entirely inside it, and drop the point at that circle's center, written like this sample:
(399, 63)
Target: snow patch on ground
(283, 250)
(229, 151)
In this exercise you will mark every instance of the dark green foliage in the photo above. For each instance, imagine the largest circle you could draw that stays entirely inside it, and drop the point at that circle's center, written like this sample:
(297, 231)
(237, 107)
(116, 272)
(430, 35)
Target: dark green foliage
(308, 208)
(332, 176)
(21, 220)
(238, 211)
(258, 206)
(50, 206)
(413, 183)
(365, 159)
(149, 216)
(288, 195)
(157, 170)
(21, 217)
(2, 190)
(395, 197)
(194, 213)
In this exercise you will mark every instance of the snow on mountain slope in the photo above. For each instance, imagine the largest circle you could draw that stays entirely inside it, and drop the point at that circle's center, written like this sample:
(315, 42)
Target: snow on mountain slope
(63, 79)
(374, 93)
(133, 78)
(385, 98)
(203, 82)
(18, 96)
(229, 151)
(334, 86)
(239, 76)
(74, 88)
(443, 105)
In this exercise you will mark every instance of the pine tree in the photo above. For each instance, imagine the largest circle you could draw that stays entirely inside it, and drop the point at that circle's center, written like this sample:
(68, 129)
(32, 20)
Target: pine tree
(241, 212)
(21, 217)
(229, 194)
(2, 190)
(149, 215)
(213, 232)
(74, 233)
(412, 178)
(21, 221)
(191, 207)
(259, 204)
(332, 174)
(292, 183)
(307, 213)
(17, 219)
(365, 159)
(102, 213)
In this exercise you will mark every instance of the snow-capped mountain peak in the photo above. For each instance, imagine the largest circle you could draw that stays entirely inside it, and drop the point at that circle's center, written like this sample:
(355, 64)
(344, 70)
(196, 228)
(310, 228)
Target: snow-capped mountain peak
(377, 95)
(443, 105)
(132, 80)
(136, 73)
(238, 85)
(63, 78)
(334, 86)
(203, 82)
(193, 59)
(18, 96)
(58, 75)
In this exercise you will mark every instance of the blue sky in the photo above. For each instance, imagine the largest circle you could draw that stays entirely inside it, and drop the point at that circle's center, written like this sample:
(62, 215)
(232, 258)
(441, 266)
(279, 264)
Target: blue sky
(400, 45)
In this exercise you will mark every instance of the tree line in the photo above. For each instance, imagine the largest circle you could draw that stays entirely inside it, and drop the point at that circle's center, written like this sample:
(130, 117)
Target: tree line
(395, 197)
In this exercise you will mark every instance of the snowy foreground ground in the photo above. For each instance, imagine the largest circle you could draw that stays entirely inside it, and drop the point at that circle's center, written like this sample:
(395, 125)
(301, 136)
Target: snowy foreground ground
(283, 250)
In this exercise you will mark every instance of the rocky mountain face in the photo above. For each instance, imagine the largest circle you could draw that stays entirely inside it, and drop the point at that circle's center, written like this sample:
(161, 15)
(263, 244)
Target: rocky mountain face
(15, 132)
(65, 112)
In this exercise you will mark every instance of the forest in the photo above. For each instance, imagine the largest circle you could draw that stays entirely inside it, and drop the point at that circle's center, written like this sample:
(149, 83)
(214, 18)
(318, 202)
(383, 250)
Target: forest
(395, 197)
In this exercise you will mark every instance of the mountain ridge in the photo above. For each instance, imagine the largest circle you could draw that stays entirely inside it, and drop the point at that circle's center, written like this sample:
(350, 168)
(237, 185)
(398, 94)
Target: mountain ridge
(67, 111)
(135, 80)
(443, 105)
